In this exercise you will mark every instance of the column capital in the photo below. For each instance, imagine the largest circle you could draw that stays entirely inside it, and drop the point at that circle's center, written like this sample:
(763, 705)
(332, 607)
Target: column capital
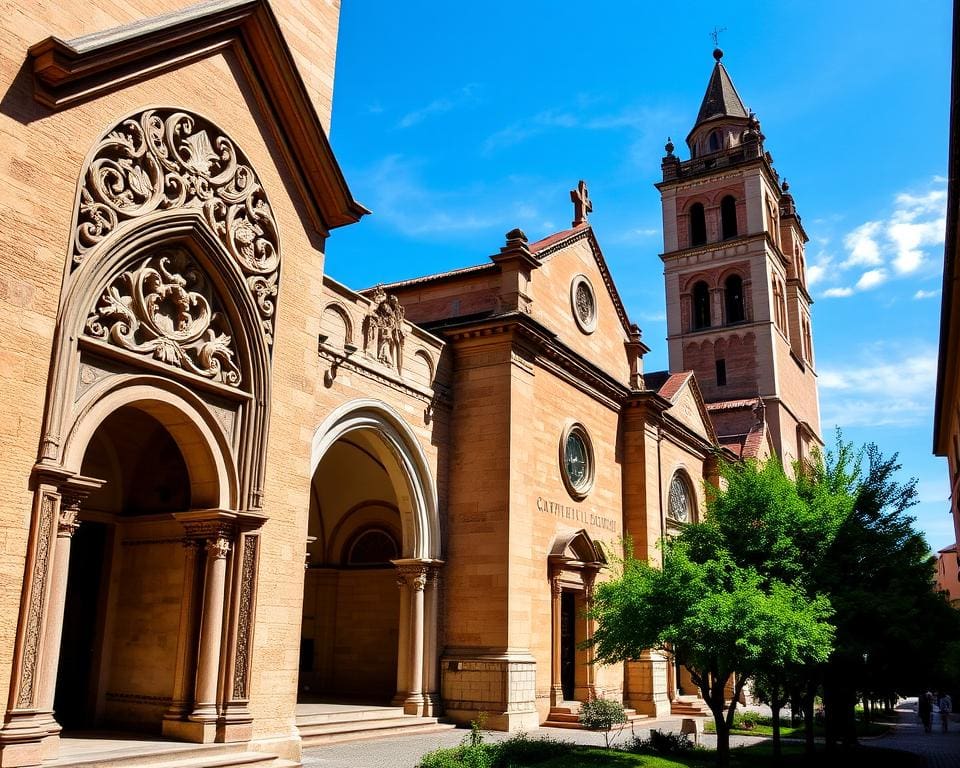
(218, 547)
(73, 492)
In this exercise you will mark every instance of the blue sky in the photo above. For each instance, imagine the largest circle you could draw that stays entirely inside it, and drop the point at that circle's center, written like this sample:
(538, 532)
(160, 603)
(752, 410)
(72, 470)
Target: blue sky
(455, 122)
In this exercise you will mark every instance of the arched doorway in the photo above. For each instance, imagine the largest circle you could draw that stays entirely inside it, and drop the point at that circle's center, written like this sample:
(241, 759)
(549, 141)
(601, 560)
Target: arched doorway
(370, 606)
(125, 579)
(351, 604)
(573, 563)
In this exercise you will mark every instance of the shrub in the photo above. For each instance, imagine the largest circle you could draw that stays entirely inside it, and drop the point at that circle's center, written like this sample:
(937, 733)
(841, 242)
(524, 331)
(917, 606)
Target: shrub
(662, 743)
(602, 715)
(523, 750)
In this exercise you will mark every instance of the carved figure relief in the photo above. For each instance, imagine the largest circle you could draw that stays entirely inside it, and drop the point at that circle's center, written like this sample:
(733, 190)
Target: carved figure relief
(383, 330)
(164, 159)
(165, 309)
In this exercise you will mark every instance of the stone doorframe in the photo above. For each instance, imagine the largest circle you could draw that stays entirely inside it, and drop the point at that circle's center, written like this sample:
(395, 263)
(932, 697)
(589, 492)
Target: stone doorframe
(168, 304)
(418, 570)
(573, 563)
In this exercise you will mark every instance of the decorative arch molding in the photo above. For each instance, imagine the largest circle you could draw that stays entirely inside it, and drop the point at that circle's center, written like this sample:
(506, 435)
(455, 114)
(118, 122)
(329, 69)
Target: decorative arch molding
(168, 306)
(164, 159)
(406, 464)
(213, 475)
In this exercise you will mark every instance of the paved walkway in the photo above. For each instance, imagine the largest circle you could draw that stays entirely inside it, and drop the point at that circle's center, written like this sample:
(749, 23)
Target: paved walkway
(942, 750)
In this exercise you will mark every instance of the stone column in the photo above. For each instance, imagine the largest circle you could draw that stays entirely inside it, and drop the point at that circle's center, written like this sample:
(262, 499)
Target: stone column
(431, 659)
(67, 525)
(590, 627)
(403, 642)
(211, 637)
(417, 577)
(185, 670)
(556, 687)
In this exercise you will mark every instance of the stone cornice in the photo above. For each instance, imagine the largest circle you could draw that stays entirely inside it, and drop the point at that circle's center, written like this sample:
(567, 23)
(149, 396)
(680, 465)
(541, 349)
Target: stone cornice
(549, 352)
(68, 72)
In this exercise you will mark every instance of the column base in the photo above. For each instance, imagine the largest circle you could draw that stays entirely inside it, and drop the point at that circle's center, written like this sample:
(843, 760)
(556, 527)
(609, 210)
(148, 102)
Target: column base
(235, 725)
(431, 705)
(556, 695)
(414, 705)
(399, 699)
(28, 739)
(195, 731)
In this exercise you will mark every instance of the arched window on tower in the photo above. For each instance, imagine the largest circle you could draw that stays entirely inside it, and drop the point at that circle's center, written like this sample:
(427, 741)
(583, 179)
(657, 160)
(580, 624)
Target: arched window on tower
(728, 217)
(698, 225)
(701, 306)
(714, 141)
(733, 299)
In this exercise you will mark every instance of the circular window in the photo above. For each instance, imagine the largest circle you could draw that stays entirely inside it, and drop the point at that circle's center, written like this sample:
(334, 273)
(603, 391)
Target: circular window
(584, 304)
(576, 461)
(679, 506)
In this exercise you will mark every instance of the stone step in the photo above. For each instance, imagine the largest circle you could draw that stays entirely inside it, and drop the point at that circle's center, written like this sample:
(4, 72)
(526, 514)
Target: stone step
(195, 757)
(331, 733)
(562, 717)
(350, 716)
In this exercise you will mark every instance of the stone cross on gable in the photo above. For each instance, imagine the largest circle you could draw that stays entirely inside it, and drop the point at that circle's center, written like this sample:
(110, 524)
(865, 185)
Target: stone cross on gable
(582, 205)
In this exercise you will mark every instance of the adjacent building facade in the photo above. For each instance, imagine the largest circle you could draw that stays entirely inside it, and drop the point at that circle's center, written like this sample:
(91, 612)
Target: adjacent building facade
(233, 484)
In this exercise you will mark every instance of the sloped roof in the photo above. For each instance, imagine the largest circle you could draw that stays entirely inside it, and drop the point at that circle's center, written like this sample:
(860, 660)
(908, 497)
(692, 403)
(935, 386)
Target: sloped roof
(69, 72)
(721, 98)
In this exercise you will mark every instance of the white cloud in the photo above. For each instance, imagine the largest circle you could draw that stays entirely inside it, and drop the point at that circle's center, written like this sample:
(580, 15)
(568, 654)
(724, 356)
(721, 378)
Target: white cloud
(863, 246)
(895, 246)
(465, 97)
(884, 387)
(871, 279)
(838, 292)
(922, 294)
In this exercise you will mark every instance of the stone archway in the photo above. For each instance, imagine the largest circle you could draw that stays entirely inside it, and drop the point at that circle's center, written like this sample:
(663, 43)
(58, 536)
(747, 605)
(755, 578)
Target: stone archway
(167, 310)
(387, 495)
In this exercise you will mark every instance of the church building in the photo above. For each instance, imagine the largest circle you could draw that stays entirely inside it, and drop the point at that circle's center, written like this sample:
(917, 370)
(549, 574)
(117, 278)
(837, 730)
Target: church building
(245, 506)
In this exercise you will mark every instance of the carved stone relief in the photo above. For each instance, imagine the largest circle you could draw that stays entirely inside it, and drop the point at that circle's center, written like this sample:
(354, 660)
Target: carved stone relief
(241, 666)
(164, 159)
(383, 330)
(31, 647)
(165, 308)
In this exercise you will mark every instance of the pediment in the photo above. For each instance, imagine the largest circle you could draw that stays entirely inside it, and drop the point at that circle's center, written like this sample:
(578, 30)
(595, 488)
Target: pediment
(69, 72)
(577, 546)
(549, 246)
(687, 407)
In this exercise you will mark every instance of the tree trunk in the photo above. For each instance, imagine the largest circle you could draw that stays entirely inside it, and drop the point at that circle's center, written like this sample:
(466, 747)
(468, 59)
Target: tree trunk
(775, 704)
(808, 714)
(723, 739)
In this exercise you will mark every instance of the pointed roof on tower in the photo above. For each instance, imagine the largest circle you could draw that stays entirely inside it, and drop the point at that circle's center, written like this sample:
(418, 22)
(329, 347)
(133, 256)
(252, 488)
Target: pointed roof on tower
(721, 98)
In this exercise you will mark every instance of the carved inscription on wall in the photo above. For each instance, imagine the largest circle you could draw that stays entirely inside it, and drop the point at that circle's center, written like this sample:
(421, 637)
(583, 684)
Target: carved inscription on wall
(165, 308)
(383, 330)
(164, 159)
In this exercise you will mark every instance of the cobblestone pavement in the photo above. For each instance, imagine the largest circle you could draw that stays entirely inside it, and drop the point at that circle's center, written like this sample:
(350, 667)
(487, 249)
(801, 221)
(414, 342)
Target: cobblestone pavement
(942, 750)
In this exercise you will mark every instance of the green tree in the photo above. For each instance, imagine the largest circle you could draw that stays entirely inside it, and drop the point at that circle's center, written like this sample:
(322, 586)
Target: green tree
(717, 618)
(892, 629)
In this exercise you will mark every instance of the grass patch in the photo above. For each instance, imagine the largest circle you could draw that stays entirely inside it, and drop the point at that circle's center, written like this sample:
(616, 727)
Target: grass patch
(787, 731)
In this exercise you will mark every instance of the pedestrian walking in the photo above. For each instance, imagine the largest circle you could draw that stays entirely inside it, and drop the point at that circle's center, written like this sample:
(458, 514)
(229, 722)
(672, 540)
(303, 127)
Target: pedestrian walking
(946, 707)
(925, 710)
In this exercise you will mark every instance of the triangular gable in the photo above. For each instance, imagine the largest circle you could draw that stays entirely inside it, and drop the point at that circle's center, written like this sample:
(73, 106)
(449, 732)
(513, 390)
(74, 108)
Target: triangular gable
(576, 546)
(543, 249)
(68, 72)
(687, 406)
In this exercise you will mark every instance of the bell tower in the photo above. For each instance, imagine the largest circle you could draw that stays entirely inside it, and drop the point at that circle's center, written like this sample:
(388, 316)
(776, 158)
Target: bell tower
(738, 310)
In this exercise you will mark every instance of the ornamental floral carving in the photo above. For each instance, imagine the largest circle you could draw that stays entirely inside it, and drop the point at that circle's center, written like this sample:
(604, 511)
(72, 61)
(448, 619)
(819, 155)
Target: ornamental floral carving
(164, 159)
(164, 308)
(383, 330)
